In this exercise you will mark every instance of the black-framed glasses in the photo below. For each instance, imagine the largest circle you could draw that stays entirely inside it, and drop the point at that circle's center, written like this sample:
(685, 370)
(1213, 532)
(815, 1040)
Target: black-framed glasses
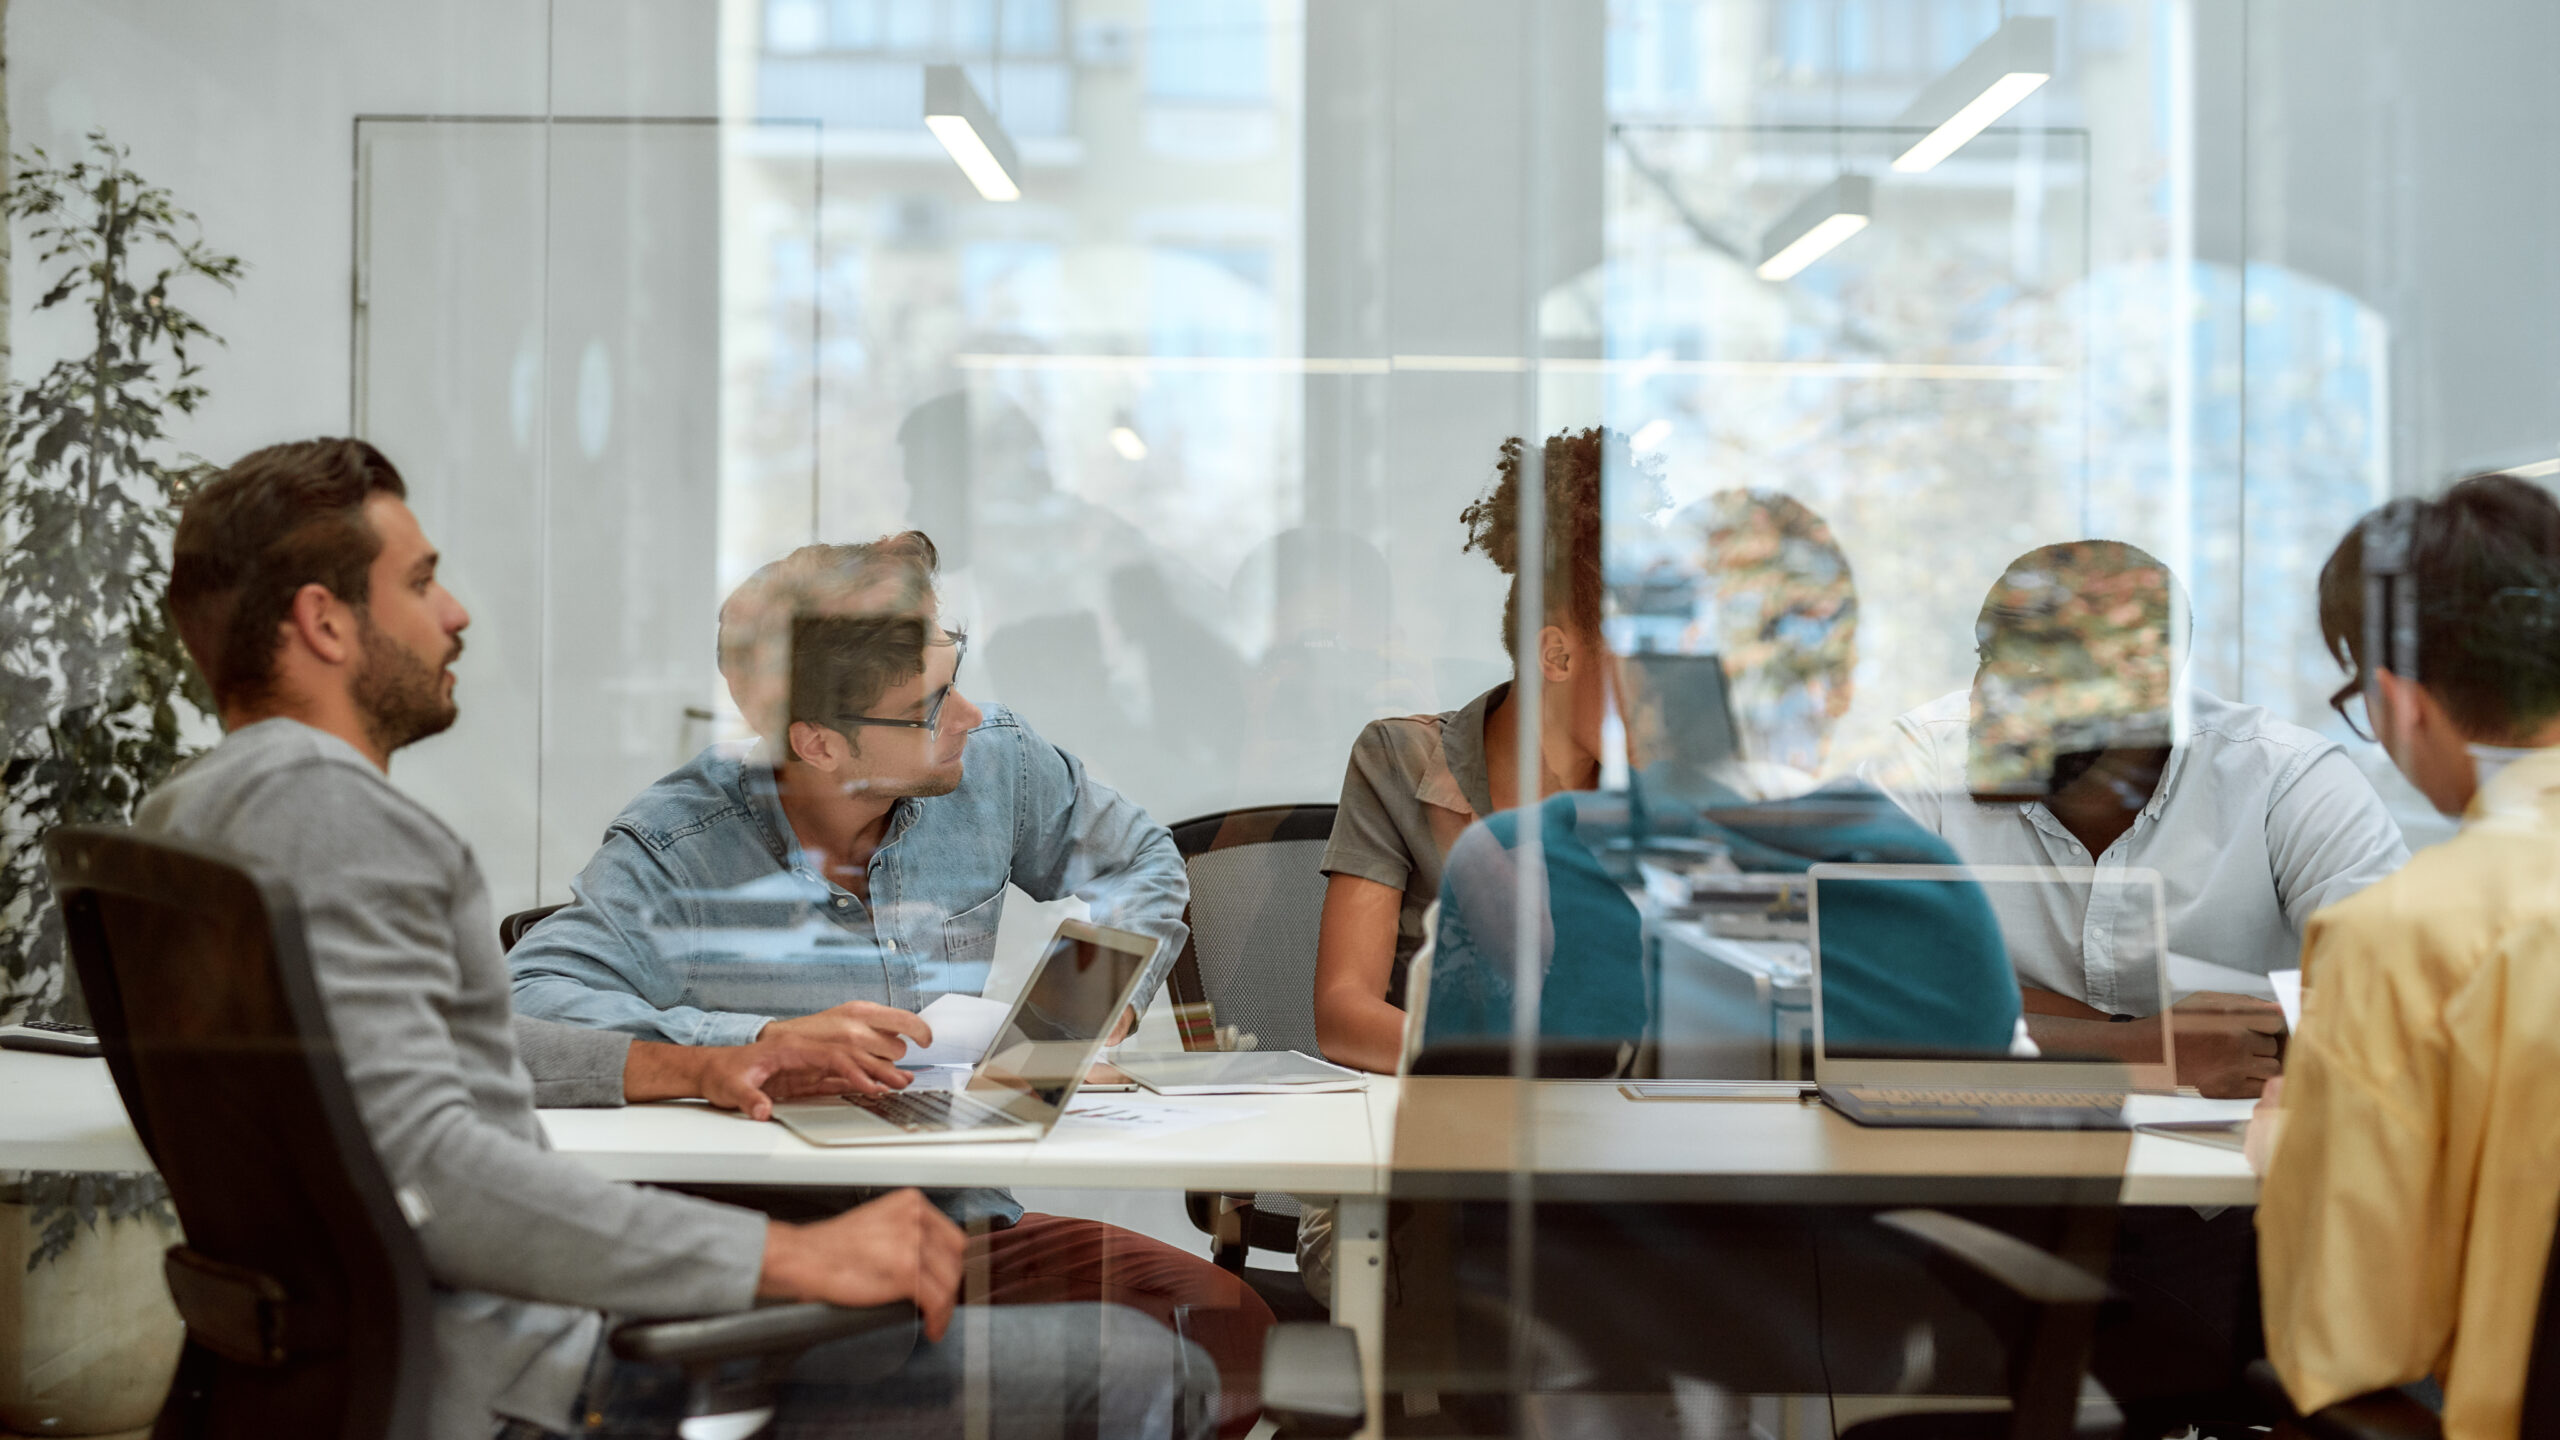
(959, 641)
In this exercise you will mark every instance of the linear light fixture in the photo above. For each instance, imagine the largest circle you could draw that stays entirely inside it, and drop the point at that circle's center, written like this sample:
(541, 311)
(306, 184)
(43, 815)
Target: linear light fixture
(1815, 228)
(1982, 87)
(966, 128)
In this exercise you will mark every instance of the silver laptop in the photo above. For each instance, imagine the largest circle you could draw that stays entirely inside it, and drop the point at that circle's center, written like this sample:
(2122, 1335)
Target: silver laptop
(1899, 1035)
(1032, 1068)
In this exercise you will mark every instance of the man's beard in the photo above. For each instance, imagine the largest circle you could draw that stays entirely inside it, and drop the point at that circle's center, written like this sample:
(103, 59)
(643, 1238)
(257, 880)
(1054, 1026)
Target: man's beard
(401, 697)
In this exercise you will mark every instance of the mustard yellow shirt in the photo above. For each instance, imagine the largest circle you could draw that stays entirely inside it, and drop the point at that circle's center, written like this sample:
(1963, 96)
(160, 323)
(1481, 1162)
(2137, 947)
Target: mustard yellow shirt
(2409, 1200)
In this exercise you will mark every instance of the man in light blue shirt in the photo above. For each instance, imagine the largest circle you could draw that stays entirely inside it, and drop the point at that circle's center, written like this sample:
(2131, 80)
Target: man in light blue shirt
(829, 880)
(853, 862)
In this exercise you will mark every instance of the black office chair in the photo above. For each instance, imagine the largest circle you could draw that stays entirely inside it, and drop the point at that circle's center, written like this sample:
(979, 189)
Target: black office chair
(2393, 1415)
(1257, 899)
(303, 1289)
(511, 929)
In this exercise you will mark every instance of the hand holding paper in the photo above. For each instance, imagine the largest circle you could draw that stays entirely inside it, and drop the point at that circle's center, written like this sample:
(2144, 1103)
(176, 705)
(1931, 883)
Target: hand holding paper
(963, 1027)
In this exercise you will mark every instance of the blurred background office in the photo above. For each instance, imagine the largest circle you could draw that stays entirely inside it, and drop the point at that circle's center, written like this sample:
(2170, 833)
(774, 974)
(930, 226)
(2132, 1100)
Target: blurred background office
(644, 292)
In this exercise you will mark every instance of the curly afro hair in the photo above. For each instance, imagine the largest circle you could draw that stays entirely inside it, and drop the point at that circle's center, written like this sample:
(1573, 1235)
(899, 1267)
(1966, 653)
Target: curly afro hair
(1574, 461)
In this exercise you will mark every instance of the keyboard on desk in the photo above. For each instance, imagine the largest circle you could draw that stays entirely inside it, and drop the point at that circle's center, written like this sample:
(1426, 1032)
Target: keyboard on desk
(932, 1110)
(1963, 1108)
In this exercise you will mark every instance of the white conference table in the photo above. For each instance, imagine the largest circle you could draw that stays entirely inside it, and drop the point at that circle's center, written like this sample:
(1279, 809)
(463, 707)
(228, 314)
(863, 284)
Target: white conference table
(1460, 1137)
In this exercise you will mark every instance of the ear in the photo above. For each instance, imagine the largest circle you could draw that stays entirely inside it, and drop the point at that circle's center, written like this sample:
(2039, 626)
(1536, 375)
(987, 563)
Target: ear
(1555, 654)
(322, 624)
(2400, 717)
(818, 747)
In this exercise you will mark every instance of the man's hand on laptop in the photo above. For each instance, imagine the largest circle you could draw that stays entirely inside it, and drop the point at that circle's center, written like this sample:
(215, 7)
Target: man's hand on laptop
(898, 1247)
(2229, 1046)
(874, 1036)
(746, 1078)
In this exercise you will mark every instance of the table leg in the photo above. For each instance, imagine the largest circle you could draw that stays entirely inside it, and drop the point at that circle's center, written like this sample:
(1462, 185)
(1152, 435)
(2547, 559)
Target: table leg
(1360, 1294)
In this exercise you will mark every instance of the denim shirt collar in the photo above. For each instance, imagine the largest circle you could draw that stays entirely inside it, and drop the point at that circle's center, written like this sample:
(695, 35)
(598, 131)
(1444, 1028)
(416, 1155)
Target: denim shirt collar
(761, 786)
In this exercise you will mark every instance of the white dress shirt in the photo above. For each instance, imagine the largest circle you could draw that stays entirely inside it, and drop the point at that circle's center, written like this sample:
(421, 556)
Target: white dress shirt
(2256, 824)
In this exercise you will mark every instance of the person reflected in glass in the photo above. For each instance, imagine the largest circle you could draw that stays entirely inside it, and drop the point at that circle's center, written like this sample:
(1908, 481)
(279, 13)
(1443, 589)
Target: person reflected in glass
(1734, 654)
(828, 880)
(2077, 745)
(2411, 1181)
(1415, 782)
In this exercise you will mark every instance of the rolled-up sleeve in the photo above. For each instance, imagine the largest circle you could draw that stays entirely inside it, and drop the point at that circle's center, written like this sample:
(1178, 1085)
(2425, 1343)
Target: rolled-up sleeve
(2328, 836)
(573, 1067)
(614, 957)
(1366, 842)
(1074, 835)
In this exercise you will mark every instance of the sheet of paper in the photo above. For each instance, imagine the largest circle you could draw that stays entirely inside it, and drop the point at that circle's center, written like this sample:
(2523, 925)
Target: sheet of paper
(2169, 1109)
(2288, 988)
(1143, 1115)
(963, 1027)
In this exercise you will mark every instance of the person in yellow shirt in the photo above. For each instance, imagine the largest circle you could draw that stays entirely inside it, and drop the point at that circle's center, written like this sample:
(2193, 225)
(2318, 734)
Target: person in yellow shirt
(2412, 1154)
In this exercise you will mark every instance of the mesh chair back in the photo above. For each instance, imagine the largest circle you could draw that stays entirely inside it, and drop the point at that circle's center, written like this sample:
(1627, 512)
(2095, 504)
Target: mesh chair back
(303, 1288)
(1256, 900)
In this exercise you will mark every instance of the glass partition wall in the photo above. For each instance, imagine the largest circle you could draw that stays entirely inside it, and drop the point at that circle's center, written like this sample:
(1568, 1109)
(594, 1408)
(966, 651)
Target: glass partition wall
(643, 295)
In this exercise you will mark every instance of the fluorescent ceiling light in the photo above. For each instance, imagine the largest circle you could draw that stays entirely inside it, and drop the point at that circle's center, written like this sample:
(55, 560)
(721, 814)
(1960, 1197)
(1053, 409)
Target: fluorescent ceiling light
(1982, 87)
(1131, 445)
(1650, 438)
(966, 128)
(1815, 228)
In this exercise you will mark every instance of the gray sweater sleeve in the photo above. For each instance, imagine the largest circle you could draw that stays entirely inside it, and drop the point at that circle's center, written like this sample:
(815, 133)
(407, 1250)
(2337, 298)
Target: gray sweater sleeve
(386, 891)
(573, 1067)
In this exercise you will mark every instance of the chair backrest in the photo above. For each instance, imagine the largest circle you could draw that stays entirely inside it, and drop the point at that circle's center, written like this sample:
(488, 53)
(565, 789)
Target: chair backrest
(511, 929)
(1256, 901)
(2542, 1362)
(304, 1290)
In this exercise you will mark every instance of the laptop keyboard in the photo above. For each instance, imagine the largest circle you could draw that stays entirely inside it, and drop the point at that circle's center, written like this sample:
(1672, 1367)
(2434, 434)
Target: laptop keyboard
(931, 1110)
(2039, 1099)
(1978, 1109)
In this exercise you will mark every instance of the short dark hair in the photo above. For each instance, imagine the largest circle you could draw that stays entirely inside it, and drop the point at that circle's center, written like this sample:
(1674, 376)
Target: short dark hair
(842, 664)
(779, 674)
(2484, 562)
(277, 520)
(1573, 463)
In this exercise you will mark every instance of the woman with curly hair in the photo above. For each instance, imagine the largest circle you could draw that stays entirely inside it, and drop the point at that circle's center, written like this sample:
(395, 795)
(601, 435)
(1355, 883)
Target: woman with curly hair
(1416, 782)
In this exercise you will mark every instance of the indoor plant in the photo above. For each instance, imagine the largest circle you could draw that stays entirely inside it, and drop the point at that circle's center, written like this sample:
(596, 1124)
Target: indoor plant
(95, 692)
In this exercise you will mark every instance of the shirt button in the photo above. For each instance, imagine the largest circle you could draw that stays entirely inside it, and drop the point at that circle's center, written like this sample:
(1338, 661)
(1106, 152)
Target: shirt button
(844, 902)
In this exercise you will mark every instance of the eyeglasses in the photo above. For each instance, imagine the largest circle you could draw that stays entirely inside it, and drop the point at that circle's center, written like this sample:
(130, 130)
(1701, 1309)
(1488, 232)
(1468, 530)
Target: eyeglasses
(959, 641)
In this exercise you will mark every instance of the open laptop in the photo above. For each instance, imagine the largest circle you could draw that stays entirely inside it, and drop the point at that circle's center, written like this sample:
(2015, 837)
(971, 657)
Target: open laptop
(1039, 1056)
(1900, 1052)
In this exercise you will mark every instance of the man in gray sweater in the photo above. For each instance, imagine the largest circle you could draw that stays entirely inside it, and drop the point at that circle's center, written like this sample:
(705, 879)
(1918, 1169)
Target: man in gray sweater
(307, 594)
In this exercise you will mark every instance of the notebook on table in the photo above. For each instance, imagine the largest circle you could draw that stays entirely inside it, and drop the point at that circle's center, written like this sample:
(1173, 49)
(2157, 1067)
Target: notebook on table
(1939, 1080)
(1040, 1054)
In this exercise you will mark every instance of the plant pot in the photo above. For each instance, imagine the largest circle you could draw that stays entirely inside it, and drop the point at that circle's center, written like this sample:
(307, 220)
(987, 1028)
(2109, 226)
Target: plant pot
(88, 1340)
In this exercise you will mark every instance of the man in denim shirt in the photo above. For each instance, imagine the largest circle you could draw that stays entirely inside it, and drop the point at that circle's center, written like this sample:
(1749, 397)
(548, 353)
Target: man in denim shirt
(829, 880)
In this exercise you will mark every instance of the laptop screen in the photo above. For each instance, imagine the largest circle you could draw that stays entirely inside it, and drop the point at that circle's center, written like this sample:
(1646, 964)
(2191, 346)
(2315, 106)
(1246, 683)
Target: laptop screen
(1922, 963)
(1074, 995)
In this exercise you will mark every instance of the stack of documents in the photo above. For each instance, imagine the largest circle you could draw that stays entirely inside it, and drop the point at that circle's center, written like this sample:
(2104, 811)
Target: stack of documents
(1237, 1072)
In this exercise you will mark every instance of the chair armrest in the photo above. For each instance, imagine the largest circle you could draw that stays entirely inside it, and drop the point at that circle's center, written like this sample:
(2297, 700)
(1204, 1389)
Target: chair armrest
(2026, 1271)
(1311, 1382)
(766, 1330)
(2382, 1415)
